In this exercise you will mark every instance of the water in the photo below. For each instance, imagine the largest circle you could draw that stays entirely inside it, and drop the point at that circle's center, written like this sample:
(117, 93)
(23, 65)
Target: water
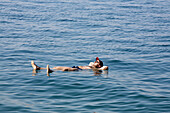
(132, 37)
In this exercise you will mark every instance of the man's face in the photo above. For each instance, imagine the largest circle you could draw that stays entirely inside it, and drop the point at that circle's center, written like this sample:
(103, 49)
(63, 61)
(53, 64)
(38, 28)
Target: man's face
(97, 64)
(97, 61)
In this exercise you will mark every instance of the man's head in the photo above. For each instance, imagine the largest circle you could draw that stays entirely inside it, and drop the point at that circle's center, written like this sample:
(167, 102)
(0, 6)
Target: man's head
(98, 63)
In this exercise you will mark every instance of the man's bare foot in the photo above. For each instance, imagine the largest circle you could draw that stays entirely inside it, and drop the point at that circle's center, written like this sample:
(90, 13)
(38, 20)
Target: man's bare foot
(35, 66)
(49, 70)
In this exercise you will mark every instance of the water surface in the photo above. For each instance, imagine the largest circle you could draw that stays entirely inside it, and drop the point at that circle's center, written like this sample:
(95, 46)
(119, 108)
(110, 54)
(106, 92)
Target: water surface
(132, 37)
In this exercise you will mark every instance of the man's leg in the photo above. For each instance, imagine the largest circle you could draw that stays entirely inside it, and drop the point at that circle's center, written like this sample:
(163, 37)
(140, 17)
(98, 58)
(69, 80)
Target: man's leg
(49, 70)
(35, 66)
(65, 68)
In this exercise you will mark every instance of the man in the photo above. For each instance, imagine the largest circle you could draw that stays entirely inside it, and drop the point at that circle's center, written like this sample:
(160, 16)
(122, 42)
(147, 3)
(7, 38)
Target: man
(98, 64)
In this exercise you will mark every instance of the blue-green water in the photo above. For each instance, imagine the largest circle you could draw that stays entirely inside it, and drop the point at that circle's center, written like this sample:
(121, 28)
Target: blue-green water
(132, 37)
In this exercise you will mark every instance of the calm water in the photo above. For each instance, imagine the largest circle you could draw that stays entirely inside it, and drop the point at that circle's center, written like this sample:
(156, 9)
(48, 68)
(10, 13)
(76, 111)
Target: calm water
(132, 37)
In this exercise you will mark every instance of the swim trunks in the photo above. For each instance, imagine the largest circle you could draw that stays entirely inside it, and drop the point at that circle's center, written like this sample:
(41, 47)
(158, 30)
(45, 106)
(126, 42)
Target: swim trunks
(77, 67)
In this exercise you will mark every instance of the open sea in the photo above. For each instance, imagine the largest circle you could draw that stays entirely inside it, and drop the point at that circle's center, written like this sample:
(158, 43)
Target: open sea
(132, 37)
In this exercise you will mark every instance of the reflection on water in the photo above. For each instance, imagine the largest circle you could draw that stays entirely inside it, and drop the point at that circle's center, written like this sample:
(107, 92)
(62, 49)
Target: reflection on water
(100, 72)
(34, 72)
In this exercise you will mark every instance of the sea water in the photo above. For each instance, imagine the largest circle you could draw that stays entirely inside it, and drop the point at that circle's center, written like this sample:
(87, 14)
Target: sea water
(132, 37)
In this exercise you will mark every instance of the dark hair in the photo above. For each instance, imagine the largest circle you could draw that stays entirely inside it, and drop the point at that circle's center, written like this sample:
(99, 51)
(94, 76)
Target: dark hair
(101, 63)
